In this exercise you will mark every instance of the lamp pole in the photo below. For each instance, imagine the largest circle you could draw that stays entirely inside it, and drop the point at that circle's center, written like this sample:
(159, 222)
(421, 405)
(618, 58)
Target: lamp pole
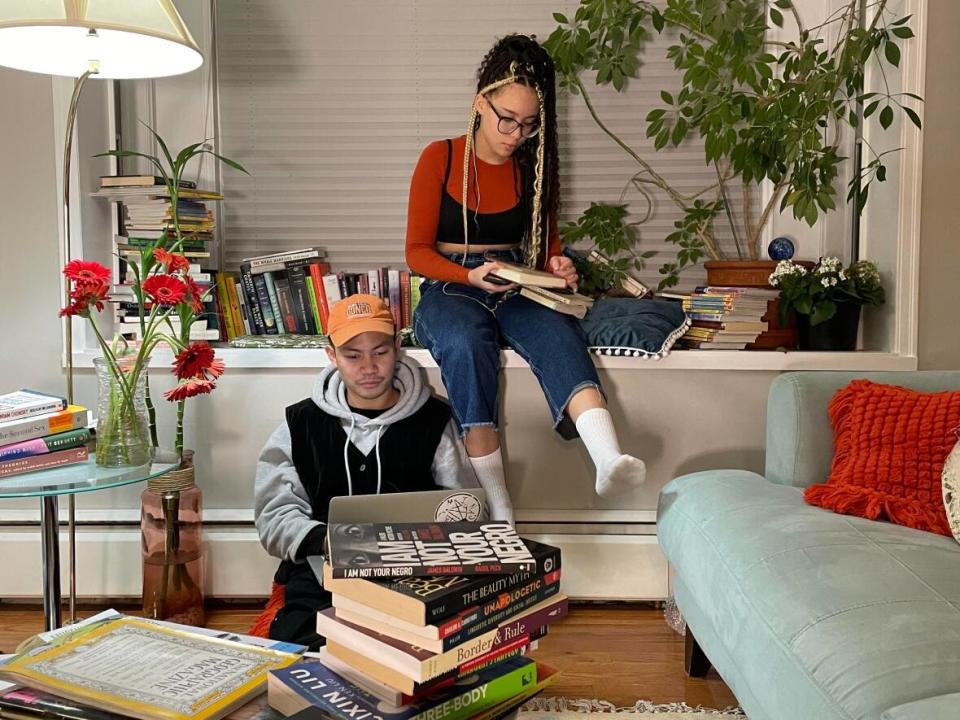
(52, 572)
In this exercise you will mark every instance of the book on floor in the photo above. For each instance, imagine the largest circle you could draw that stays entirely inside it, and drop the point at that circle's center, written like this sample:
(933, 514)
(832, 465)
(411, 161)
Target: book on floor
(386, 550)
(445, 601)
(144, 670)
(311, 690)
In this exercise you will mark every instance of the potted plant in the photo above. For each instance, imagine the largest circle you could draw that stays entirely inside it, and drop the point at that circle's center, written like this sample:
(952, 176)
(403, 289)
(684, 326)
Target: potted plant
(827, 299)
(171, 506)
(766, 110)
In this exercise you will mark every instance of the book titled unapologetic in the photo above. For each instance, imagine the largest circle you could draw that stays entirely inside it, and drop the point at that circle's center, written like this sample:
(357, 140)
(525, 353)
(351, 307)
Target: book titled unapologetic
(391, 550)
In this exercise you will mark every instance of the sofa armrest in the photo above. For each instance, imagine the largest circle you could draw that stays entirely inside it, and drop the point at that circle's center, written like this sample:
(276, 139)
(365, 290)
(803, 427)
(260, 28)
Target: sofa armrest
(799, 435)
(942, 707)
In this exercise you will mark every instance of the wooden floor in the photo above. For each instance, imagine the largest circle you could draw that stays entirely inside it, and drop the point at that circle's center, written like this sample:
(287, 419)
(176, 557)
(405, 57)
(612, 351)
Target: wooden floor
(618, 653)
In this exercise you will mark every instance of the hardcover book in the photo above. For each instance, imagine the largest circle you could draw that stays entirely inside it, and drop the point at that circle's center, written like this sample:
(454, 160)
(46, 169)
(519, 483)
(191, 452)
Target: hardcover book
(423, 600)
(420, 664)
(27, 403)
(522, 275)
(390, 550)
(568, 303)
(142, 670)
(44, 445)
(46, 461)
(311, 690)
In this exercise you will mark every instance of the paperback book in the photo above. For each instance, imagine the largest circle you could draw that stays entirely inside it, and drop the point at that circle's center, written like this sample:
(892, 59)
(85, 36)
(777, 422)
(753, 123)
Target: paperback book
(27, 403)
(446, 601)
(390, 550)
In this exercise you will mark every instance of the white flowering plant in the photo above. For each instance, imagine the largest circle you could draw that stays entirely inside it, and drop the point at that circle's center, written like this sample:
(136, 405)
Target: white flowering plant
(817, 292)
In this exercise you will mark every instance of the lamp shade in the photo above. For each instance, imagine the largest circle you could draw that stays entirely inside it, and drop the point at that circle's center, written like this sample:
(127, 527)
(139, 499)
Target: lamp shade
(120, 38)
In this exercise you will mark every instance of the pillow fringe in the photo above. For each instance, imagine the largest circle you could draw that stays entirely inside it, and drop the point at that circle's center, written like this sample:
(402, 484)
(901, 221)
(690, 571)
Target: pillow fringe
(875, 505)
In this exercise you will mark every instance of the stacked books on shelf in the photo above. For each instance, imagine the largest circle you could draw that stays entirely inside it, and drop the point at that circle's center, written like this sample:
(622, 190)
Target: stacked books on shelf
(112, 666)
(428, 621)
(40, 431)
(292, 293)
(726, 318)
(146, 213)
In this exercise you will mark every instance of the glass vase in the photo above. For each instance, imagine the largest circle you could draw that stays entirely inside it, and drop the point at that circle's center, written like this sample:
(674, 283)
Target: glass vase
(171, 531)
(123, 425)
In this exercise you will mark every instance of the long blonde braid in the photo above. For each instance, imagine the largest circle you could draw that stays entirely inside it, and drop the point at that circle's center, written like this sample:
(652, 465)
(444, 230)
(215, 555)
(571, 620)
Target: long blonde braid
(533, 246)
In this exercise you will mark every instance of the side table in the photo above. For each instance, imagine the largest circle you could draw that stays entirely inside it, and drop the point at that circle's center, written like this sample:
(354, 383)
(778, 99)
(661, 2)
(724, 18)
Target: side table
(48, 485)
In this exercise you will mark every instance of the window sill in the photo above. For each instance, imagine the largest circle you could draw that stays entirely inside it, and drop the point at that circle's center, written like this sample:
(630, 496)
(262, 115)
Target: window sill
(313, 358)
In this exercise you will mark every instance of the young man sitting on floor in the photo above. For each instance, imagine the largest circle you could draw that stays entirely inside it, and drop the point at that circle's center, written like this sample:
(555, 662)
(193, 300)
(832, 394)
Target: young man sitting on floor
(371, 426)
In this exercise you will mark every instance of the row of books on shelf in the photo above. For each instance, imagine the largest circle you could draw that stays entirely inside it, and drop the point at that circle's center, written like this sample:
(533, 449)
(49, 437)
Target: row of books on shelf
(724, 318)
(40, 432)
(438, 647)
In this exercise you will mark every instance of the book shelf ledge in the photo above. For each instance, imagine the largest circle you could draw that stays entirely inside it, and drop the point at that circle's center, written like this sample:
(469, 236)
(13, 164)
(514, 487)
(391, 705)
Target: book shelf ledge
(314, 358)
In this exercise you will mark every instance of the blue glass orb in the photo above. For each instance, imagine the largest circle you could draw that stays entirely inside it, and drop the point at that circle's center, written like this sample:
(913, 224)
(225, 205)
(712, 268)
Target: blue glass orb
(781, 248)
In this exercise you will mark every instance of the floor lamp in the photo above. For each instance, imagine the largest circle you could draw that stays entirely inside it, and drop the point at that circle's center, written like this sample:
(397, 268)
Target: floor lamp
(102, 39)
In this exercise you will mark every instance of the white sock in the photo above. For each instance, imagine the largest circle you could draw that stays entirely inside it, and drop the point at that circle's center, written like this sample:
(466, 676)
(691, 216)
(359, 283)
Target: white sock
(616, 472)
(489, 469)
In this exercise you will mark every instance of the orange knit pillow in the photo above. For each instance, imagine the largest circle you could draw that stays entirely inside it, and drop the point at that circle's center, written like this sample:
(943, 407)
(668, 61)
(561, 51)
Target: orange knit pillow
(890, 444)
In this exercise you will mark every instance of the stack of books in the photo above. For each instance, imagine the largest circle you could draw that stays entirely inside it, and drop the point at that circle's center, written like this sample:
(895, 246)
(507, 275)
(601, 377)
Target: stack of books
(726, 318)
(403, 641)
(40, 431)
(292, 293)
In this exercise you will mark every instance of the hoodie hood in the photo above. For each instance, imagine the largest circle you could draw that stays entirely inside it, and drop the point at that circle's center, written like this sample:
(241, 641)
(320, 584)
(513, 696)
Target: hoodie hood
(330, 395)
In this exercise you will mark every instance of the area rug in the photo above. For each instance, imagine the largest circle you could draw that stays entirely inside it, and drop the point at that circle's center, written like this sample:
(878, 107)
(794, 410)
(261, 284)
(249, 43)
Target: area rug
(559, 708)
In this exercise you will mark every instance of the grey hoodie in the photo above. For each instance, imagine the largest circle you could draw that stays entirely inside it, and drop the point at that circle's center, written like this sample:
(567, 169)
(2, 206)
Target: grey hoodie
(282, 510)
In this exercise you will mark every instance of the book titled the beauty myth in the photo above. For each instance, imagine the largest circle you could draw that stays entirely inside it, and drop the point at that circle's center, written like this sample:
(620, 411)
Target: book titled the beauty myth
(391, 550)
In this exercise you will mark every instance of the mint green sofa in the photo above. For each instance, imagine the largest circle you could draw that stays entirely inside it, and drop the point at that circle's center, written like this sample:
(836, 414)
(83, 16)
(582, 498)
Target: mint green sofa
(806, 614)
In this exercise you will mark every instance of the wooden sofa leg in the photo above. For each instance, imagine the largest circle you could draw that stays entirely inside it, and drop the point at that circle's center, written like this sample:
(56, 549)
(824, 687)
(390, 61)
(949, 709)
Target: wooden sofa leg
(696, 663)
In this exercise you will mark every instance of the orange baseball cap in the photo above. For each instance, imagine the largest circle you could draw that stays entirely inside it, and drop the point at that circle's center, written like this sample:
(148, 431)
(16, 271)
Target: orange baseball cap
(358, 314)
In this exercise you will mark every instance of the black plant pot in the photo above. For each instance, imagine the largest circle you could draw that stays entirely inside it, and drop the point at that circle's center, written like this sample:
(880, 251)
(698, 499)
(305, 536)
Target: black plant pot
(837, 333)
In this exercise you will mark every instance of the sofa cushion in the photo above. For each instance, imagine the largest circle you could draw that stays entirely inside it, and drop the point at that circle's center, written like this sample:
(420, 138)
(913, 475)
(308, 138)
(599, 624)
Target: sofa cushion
(890, 443)
(852, 614)
(943, 707)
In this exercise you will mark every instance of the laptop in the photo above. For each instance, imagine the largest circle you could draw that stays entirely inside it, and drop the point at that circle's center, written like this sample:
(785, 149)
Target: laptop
(460, 505)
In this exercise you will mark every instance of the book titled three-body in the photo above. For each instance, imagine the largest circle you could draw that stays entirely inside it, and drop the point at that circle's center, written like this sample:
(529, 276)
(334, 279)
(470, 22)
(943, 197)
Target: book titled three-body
(390, 550)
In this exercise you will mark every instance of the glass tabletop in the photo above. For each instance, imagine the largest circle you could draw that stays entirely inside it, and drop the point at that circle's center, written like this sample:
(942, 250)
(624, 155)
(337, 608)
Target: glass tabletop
(84, 477)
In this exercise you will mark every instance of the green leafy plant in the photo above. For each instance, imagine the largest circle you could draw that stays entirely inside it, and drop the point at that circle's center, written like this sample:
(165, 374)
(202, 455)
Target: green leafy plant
(766, 110)
(817, 292)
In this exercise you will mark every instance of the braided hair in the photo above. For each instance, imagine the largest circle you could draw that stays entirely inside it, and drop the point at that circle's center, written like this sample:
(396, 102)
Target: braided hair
(520, 59)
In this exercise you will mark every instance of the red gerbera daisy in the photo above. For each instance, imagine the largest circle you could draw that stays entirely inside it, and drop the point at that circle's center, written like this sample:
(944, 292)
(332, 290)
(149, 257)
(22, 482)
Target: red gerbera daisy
(178, 263)
(87, 272)
(83, 296)
(190, 388)
(193, 360)
(165, 289)
(194, 295)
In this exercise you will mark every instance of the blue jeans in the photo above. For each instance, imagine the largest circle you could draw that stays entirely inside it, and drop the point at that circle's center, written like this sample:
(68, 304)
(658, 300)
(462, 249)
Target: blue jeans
(464, 327)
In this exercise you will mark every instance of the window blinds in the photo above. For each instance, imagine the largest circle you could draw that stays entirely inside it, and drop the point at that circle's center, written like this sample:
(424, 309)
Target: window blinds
(328, 104)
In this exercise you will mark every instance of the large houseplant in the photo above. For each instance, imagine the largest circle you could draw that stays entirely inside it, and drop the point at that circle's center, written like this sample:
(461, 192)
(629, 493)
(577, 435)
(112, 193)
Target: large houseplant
(766, 110)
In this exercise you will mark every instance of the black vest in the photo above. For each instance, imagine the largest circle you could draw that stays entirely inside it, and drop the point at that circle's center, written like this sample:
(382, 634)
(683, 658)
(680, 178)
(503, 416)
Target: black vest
(502, 228)
(407, 449)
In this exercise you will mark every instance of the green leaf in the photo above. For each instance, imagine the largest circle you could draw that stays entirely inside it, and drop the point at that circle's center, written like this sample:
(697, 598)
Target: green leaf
(561, 18)
(783, 4)
(892, 52)
(886, 117)
(881, 173)
(914, 118)
(869, 110)
(232, 163)
(666, 97)
(901, 21)
(777, 17)
(823, 312)
(904, 33)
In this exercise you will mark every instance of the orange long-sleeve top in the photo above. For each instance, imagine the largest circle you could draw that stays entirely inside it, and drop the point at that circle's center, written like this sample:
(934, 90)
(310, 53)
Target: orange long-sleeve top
(498, 193)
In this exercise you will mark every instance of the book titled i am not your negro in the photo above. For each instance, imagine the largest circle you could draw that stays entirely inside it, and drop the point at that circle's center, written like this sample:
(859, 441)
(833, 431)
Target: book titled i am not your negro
(390, 550)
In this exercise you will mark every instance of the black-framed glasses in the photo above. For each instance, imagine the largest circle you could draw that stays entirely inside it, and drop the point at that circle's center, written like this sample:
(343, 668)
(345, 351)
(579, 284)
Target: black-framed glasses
(508, 126)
